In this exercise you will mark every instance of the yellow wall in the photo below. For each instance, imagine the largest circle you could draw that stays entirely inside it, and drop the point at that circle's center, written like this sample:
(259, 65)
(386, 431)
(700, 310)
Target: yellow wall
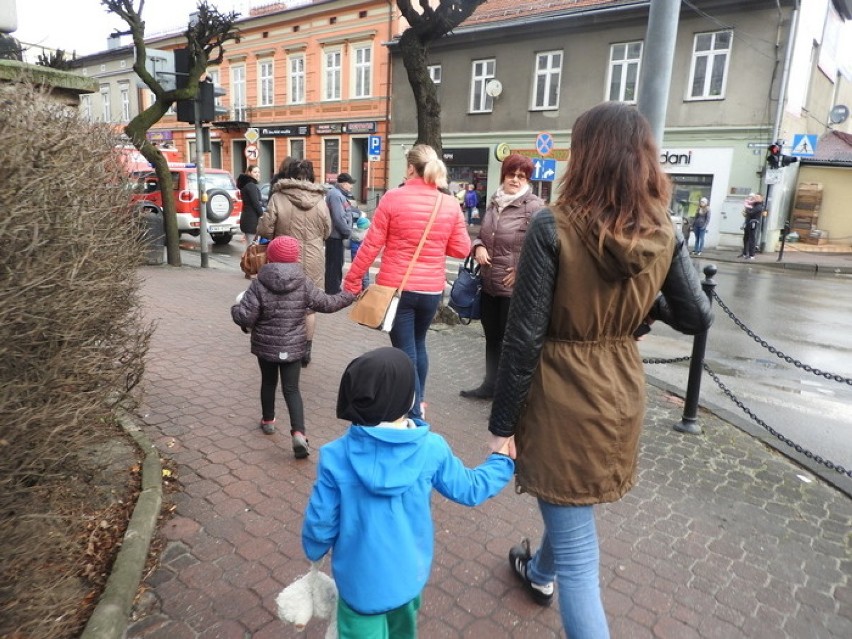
(835, 214)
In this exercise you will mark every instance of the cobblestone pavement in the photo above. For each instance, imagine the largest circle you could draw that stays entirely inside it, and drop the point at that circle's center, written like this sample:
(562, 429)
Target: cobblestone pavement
(721, 538)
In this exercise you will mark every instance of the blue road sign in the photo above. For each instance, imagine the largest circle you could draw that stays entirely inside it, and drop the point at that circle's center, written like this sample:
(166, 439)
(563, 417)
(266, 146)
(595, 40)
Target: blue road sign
(804, 146)
(544, 143)
(544, 170)
(374, 145)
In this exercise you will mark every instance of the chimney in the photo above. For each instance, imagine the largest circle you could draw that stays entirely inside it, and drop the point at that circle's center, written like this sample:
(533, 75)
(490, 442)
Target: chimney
(114, 41)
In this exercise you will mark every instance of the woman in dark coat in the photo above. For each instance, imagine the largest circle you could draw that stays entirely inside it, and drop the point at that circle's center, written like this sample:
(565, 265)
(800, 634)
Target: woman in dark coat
(252, 208)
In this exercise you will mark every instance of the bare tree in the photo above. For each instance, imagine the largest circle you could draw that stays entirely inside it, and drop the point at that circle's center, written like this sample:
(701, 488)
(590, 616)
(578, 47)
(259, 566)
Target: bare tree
(428, 24)
(54, 59)
(205, 37)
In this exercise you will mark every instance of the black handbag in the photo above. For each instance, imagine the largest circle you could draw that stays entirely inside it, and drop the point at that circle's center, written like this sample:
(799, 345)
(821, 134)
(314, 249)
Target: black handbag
(466, 292)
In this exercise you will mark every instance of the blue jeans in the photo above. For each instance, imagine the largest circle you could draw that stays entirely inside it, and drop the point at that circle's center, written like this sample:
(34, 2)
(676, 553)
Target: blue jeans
(353, 251)
(470, 210)
(569, 555)
(413, 317)
(699, 239)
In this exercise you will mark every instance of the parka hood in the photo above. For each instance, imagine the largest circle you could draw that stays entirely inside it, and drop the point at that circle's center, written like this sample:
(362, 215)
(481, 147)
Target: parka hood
(303, 194)
(281, 277)
(387, 460)
(620, 261)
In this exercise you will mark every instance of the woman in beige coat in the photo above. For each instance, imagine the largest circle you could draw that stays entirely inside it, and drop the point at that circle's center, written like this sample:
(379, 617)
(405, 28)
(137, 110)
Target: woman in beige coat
(297, 208)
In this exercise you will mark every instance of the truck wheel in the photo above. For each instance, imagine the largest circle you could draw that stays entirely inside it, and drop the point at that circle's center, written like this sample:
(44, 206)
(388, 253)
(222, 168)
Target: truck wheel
(220, 239)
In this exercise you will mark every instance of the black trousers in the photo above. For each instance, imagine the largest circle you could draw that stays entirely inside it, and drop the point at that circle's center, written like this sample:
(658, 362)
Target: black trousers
(494, 314)
(289, 373)
(333, 265)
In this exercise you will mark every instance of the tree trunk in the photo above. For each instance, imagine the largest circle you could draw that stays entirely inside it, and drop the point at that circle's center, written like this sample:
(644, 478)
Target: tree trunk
(136, 130)
(425, 94)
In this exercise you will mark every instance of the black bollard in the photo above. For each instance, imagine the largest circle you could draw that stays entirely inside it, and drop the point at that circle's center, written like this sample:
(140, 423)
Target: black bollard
(689, 422)
(784, 232)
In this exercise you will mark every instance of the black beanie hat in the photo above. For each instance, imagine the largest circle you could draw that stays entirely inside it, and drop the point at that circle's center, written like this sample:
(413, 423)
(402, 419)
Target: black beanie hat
(376, 387)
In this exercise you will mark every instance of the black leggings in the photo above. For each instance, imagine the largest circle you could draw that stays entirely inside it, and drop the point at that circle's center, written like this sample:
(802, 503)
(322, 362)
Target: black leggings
(290, 372)
(494, 315)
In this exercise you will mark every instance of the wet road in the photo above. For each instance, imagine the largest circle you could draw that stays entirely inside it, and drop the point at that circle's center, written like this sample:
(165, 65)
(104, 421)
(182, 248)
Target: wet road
(803, 316)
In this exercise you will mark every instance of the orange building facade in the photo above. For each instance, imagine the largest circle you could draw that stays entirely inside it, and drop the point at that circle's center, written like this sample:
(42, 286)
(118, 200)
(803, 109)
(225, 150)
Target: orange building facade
(305, 79)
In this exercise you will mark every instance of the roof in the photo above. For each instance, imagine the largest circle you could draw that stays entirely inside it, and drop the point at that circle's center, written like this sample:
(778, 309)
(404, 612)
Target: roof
(834, 146)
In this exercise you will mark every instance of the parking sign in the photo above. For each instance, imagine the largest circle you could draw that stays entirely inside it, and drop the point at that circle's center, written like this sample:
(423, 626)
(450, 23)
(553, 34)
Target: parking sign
(374, 145)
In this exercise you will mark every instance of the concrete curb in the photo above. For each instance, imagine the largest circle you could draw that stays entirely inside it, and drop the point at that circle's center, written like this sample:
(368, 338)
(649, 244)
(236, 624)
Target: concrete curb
(110, 617)
(837, 480)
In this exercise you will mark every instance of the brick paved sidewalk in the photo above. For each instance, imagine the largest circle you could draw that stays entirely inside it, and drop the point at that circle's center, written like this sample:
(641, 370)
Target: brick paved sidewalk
(722, 537)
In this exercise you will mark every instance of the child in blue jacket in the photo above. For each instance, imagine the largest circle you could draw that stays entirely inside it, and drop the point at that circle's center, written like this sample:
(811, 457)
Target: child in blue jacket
(370, 504)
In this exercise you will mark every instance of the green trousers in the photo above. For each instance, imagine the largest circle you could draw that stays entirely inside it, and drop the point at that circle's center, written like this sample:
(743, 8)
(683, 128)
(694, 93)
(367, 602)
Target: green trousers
(399, 623)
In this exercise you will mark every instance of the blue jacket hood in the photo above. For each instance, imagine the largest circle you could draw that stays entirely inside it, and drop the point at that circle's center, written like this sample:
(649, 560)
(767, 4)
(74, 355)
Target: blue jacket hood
(387, 460)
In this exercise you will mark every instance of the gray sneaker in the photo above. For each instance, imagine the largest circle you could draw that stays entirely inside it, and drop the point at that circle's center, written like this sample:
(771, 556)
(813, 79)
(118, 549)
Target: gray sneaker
(300, 445)
(267, 427)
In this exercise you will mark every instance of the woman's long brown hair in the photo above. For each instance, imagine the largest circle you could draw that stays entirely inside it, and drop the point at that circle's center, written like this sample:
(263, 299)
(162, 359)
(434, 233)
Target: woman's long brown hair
(614, 173)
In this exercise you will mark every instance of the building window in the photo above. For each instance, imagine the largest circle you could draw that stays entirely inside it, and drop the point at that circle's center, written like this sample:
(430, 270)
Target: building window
(435, 73)
(363, 58)
(482, 71)
(710, 57)
(297, 148)
(624, 62)
(297, 79)
(86, 107)
(548, 73)
(266, 90)
(106, 111)
(213, 75)
(238, 92)
(331, 74)
(330, 158)
(124, 88)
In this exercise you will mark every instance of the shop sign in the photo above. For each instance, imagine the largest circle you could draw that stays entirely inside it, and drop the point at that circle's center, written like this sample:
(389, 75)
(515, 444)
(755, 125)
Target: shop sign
(466, 157)
(560, 155)
(161, 135)
(359, 127)
(675, 159)
(325, 129)
(284, 130)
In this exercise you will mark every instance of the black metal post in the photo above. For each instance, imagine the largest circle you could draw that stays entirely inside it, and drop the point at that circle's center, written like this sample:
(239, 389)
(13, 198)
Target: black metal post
(689, 422)
(784, 232)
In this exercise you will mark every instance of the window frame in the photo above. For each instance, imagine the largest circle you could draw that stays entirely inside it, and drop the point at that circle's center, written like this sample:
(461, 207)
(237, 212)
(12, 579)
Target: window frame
(239, 103)
(296, 78)
(362, 72)
(547, 74)
(710, 55)
(479, 101)
(625, 64)
(430, 69)
(332, 75)
(291, 153)
(124, 95)
(266, 83)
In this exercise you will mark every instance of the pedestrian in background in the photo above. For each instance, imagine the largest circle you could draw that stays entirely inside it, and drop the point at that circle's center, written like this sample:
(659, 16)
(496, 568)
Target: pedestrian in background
(337, 200)
(471, 202)
(497, 251)
(700, 223)
(752, 211)
(571, 387)
(247, 183)
(398, 224)
(356, 238)
(370, 506)
(297, 208)
(274, 309)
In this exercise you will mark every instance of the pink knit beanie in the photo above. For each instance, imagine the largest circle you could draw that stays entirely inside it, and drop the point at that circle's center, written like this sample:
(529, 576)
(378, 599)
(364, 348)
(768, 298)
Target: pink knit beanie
(283, 249)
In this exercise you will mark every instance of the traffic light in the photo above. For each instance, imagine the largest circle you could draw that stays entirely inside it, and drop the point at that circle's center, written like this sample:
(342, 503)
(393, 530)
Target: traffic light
(776, 160)
(208, 91)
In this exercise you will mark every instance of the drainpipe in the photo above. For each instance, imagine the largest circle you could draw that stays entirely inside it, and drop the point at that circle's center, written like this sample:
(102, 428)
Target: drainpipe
(779, 112)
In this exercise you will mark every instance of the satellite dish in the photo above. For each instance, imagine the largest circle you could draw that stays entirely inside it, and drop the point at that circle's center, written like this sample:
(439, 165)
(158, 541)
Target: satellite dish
(494, 88)
(837, 115)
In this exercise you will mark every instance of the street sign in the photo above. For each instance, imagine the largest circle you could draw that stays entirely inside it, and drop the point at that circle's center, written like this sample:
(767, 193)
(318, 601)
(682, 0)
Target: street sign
(544, 143)
(374, 146)
(251, 152)
(804, 146)
(544, 170)
(773, 176)
(252, 135)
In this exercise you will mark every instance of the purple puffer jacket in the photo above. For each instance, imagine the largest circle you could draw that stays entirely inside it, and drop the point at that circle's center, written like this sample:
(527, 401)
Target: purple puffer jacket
(274, 308)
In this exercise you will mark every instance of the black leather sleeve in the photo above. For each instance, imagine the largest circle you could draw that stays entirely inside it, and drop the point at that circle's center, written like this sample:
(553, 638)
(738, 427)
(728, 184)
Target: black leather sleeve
(682, 304)
(529, 317)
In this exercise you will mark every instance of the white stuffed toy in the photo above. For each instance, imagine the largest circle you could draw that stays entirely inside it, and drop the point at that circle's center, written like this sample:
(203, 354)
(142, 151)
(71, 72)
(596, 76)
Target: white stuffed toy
(313, 594)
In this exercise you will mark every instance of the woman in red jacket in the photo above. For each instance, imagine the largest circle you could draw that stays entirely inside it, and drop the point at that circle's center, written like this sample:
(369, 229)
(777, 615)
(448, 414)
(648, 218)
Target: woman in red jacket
(398, 224)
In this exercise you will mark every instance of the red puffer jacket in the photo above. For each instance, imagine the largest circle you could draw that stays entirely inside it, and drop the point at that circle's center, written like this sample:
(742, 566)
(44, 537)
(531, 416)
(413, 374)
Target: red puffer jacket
(396, 229)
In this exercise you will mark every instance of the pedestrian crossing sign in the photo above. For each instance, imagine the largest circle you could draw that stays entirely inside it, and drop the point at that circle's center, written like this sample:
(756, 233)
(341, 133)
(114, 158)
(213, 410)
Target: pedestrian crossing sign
(804, 146)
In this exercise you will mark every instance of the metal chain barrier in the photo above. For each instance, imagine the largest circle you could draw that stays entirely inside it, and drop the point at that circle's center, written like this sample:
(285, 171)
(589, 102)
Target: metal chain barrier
(775, 351)
(673, 360)
(797, 447)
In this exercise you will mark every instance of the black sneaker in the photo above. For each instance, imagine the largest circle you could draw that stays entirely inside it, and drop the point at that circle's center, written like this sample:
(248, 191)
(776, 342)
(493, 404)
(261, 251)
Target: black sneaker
(300, 445)
(482, 392)
(519, 557)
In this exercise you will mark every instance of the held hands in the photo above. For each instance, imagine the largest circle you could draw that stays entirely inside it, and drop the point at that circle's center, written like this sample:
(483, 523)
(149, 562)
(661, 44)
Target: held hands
(502, 445)
(481, 256)
(509, 280)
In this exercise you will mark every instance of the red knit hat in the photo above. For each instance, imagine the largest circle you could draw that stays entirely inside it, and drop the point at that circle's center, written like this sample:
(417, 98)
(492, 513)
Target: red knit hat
(283, 249)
